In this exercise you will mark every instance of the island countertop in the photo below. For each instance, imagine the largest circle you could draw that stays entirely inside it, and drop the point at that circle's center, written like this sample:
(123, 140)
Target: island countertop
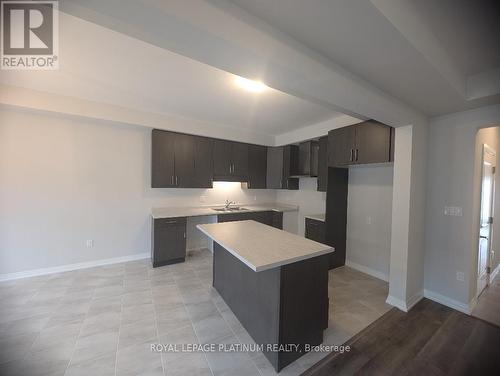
(262, 247)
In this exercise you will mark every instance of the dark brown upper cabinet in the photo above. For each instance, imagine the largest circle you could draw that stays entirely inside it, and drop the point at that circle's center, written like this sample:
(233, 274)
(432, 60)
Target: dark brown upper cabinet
(257, 167)
(162, 159)
(323, 164)
(280, 160)
(363, 143)
(307, 160)
(230, 161)
(180, 160)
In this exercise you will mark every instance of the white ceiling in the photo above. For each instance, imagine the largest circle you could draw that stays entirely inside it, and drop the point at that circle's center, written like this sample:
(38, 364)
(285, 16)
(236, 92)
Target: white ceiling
(104, 66)
(468, 30)
(360, 37)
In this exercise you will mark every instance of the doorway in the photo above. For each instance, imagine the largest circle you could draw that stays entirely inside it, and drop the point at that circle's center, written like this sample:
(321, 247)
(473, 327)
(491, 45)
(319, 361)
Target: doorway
(488, 162)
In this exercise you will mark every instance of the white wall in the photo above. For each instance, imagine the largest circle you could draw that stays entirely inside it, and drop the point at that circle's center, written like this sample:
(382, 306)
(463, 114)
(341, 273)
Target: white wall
(453, 180)
(64, 181)
(369, 219)
(309, 200)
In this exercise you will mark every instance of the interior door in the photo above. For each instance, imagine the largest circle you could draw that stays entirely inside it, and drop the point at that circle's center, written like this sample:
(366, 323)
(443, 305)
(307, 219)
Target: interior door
(486, 217)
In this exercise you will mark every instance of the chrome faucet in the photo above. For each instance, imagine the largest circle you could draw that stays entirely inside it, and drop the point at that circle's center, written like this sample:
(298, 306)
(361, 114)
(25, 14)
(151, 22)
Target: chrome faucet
(228, 204)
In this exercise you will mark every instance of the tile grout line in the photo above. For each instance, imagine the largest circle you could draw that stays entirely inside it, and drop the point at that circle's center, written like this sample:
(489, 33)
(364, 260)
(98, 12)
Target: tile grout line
(192, 324)
(80, 332)
(119, 330)
(156, 324)
(236, 335)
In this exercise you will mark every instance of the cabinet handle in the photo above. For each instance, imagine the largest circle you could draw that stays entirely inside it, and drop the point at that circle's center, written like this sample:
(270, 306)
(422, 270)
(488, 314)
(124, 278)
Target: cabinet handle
(176, 180)
(184, 235)
(356, 153)
(172, 180)
(351, 157)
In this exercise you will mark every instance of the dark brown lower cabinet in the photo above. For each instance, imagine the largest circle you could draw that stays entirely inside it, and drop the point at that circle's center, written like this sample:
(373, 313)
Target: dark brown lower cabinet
(168, 243)
(270, 218)
(315, 230)
(280, 306)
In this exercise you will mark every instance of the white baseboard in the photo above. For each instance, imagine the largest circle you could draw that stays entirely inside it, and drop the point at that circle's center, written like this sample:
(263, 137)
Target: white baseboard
(414, 300)
(405, 306)
(398, 303)
(367, 270)
(69, 267)
(452, 303)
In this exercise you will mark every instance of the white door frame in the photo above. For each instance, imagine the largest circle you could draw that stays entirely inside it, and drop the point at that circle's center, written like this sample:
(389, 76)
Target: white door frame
(487, 151)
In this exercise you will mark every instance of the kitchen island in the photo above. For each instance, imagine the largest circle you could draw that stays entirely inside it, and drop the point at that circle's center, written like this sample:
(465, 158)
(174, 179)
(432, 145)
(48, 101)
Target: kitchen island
(275, 282)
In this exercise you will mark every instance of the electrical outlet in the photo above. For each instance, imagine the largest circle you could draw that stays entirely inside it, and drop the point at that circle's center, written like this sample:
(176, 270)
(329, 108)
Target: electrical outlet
(89, 243)
(460, 276)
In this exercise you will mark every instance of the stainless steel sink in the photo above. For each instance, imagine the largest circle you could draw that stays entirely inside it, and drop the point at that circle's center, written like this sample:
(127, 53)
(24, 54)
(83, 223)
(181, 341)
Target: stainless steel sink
(230, 209)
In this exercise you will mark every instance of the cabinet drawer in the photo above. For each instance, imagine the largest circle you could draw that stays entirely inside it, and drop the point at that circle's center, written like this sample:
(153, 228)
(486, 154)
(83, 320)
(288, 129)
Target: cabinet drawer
(165, 222)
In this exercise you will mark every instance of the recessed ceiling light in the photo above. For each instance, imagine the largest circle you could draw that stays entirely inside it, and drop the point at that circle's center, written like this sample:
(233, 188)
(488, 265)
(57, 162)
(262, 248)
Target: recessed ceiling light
(250, 85)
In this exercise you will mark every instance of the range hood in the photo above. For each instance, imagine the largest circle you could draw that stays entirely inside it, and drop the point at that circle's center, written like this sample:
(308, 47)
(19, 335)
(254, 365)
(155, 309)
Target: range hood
(304, 159)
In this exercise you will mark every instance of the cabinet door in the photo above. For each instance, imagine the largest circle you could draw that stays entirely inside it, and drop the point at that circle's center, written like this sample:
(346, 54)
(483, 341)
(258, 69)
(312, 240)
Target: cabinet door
(315, 230)
(341, 145)
(323, 164)
(277, 219)
(264, 217)
(184, 160)
(373, 143)
(162, 159)
(203, 162)
(305, 158)
(290, 161)
(240, 160)
(169, 241)
(274, 167)
(314, 158)
(257, 166)
(222, 158)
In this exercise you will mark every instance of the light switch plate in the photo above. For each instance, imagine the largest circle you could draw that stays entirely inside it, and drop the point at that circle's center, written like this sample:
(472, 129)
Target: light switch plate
(455, 211)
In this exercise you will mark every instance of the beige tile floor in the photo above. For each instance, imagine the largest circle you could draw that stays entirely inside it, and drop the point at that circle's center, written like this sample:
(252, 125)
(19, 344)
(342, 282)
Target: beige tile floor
(102, 321)
(488, 304)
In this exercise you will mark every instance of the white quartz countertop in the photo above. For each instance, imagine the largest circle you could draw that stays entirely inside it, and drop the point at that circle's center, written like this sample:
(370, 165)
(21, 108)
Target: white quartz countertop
(262, 247)
(317, 217)
(173, 212)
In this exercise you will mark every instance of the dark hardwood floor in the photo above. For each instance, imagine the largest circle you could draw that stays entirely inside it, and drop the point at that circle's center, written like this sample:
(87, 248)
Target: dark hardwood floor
(429, 340)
